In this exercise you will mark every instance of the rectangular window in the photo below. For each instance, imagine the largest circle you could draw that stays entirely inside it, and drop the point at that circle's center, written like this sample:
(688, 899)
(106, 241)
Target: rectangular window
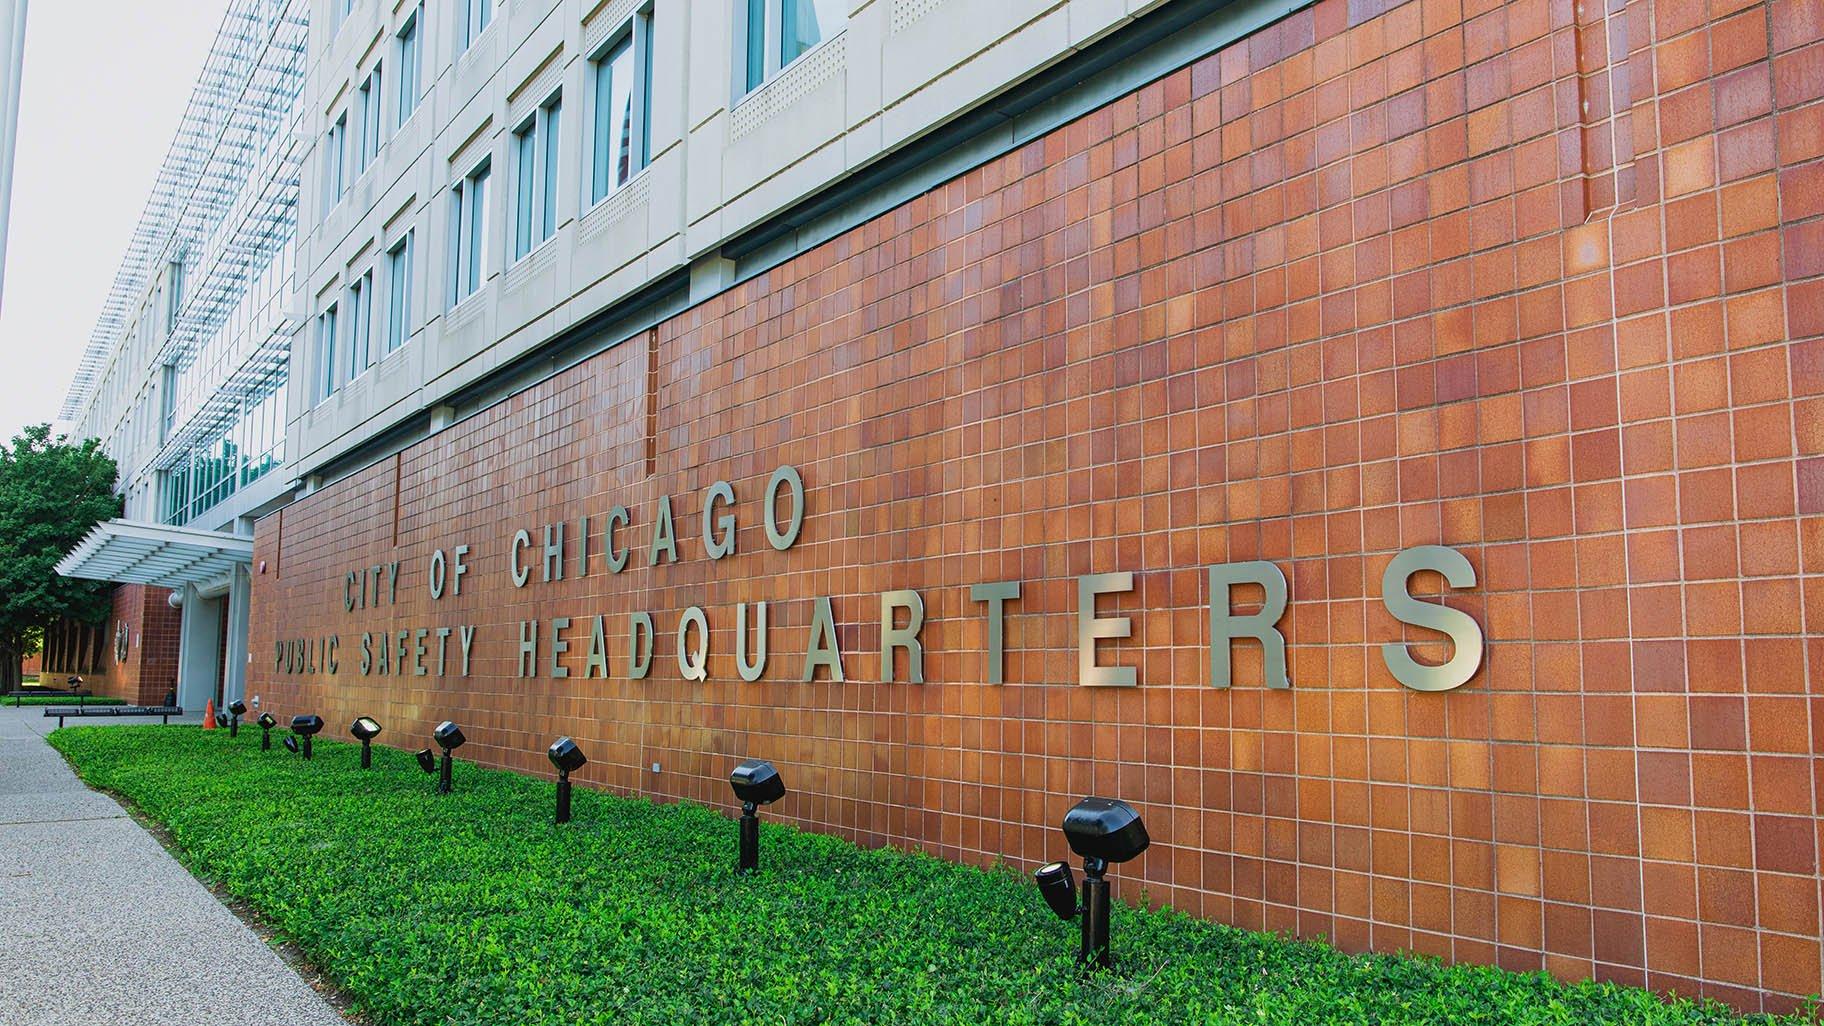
(623, 79)
(367, 120)
(335, 160)
(535, 162)
(410, 67)
(468, 233)
(476, 14)
(167, 400)
(360, 325)
(326, 353)
(399, 293)
(775, 33)
(175, 295)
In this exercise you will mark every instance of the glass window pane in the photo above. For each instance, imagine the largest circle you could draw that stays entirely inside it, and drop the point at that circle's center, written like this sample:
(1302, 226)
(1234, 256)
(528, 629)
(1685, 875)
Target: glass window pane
(756, 43)
(805, 23)
(523, 172)
(478, 226)
(548, 202)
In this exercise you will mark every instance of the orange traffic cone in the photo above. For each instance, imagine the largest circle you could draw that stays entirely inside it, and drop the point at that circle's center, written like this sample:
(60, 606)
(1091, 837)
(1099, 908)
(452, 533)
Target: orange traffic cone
(209, 716)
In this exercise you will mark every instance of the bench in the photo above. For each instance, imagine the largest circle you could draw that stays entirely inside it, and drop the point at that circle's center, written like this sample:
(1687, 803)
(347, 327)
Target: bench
(79, 696)
(164, 712)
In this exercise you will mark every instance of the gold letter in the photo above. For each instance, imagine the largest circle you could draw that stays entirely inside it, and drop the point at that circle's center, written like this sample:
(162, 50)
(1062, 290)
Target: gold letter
(906, 637)
(1465, 634)
(1091, 627)
(750, 671)
(1225, 625)
(822, 650)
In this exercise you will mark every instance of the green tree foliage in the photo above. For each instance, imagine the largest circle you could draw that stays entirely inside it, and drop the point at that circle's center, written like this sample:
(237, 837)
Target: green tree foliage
(52, 492)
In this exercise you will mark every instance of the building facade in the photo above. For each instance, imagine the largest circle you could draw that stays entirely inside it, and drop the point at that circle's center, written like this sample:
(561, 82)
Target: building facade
(185, 373)
(1379, 440)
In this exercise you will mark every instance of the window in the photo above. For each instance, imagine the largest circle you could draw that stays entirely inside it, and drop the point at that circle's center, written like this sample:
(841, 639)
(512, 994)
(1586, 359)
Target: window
(326, 353)
(360, 325)
(476, 14)
(334, 163)
(777, 32)
(410, 67)
(367, 120)
(535, 178)
(623, 79)
(399, 293)
(468, 233)
(175, 296)
(167, 400)
(344, 8)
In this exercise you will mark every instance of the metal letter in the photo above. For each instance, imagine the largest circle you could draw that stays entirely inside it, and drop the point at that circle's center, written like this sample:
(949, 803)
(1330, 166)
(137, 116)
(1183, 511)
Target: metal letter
(399, 663)
(443, 645)
(595, 664)
(1091, 627)
(822, 649)
(750, 671)
(367, 652)
(786, 475)
(418, 650)
(383, 654)
(906, 637)
(1465, 634)
(457, 569)
(1225, 625)
(520, 540)
(467, 632)
(528, 647)
(996, 594)
(582, 537)
(726, 492)
(438, 572)
(664, 535)
(639, 656)
(554, 553)
(392, 584)
(617, 558)
(697, 668)
(559, 646)
(348, 593)
(335, 641)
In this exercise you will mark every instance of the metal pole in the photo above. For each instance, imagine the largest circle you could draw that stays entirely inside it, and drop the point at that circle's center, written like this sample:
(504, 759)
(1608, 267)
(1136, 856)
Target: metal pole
(1095, 915)
(307, 746)
(563, 796)
(750, 839)
(234, 726)
(443, 773)
(367, 755)
(265, 739)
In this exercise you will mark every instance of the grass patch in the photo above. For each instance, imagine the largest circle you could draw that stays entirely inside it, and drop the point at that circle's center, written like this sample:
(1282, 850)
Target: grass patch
(473, 908)
(61, 700)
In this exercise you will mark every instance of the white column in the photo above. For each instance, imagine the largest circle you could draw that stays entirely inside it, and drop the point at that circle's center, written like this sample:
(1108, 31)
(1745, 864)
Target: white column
(234, 665)
(12, 47)
(198, 638)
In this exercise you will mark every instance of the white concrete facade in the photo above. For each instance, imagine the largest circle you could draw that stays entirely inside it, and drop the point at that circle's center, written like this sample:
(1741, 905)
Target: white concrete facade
(723, 159)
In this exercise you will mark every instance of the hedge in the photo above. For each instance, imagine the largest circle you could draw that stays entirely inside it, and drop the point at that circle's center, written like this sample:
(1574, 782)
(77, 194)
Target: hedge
(474, 908)
(31, 699)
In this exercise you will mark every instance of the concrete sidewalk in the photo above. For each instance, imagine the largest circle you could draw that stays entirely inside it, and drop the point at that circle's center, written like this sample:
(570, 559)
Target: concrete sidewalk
(98, 924)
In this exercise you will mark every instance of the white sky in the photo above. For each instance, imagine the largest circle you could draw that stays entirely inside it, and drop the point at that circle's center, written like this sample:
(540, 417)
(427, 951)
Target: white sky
(105, 83)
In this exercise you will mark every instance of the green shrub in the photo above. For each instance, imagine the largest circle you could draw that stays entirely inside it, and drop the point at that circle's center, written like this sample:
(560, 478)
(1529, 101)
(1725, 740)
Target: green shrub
(29, 699)
(473, 908)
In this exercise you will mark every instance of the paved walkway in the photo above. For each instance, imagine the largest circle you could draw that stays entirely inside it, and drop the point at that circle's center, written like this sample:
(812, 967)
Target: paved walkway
(99, 925)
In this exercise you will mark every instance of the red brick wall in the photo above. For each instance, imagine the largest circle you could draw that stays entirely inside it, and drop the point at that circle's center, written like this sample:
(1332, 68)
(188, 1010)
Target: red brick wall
(1543, 289)
(150, 669)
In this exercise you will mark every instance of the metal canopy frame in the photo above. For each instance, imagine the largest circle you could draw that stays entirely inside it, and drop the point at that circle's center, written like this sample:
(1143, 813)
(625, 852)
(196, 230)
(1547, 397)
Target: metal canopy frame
(130, 552)
(225, 199)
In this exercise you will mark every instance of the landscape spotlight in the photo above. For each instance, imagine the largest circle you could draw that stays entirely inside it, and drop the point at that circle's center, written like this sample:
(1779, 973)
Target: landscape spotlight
(1102, 830)
(566, 756)
(449, 738)
(756, 783)
(426, 761)
(236, 710)
(221, 718)
(306, 727)
(365, 730)
(291, 745)
(267, 721)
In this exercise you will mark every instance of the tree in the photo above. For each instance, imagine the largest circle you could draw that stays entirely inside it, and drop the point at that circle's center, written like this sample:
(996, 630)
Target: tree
(52, 492)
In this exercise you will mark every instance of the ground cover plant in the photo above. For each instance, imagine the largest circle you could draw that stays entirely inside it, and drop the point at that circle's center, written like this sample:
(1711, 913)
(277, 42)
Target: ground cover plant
(30, 699)
(473, 908)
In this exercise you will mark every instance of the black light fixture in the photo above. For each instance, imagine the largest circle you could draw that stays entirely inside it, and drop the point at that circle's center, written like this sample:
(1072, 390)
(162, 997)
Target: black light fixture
(449, 738)
(756, 783)
(221, 718)
(267, 721)
(306, 727)
(566, 756)
(236, 710)
(1102, 830)
(291, 744)
(426, 761)
(365, 730)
